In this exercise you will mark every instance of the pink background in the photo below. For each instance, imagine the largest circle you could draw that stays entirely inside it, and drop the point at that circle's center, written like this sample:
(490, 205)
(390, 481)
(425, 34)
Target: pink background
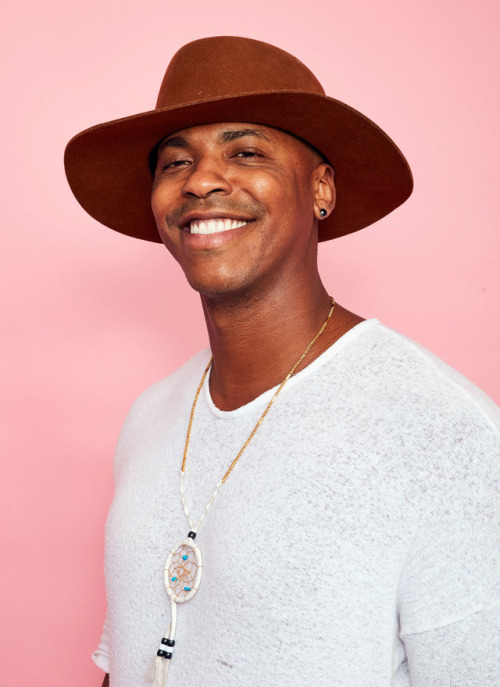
(90, 318)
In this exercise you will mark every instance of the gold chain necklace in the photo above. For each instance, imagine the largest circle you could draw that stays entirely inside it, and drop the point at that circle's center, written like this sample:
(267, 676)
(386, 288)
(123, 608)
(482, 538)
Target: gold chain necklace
(184, 565)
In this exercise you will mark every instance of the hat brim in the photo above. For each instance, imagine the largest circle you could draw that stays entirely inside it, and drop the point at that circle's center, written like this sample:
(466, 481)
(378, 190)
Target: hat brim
(108, 170)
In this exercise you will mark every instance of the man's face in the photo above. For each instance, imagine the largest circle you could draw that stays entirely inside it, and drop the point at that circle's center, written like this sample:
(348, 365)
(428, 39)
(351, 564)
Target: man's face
(234, 204)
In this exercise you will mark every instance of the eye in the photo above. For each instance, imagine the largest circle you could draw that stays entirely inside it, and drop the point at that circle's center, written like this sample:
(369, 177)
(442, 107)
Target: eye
(172, 164)
(248, 154)
(169, 167)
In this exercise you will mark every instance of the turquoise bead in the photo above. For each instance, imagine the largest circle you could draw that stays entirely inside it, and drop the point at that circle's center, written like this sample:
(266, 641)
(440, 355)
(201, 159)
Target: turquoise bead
(184, 558)
(187, 589)
(173, 579)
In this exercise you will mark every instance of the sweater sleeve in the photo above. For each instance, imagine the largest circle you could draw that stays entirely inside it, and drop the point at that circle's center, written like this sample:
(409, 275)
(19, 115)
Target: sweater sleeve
(450, 587)
(465, 653)
(101, 655)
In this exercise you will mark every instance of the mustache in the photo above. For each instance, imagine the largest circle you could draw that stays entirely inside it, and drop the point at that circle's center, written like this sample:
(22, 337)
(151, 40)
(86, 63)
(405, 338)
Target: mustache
(246, 208)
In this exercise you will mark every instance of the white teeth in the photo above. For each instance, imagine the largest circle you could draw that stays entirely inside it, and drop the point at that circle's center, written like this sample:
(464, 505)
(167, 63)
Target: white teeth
(214, 226)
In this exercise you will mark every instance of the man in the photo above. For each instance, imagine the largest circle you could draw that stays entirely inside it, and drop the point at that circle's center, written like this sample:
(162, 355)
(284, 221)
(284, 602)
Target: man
(339, 480)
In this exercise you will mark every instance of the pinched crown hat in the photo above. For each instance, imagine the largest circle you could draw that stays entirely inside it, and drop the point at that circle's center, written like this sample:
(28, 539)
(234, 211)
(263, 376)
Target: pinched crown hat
(231, 79)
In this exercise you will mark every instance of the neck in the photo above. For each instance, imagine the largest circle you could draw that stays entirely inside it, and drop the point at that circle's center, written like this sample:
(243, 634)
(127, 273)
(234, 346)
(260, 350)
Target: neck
(256, 339)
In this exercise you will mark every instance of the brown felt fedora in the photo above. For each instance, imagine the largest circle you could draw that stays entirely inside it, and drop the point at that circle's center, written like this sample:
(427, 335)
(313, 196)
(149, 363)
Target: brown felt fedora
(231, 79)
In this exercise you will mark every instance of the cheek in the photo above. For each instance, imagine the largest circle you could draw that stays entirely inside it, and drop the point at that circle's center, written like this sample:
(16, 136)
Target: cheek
(273, 194)
(157, 202)
(158, 208)
(164, 197)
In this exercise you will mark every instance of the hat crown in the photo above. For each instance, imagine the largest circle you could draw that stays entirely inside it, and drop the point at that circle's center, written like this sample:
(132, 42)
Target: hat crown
(225, 66)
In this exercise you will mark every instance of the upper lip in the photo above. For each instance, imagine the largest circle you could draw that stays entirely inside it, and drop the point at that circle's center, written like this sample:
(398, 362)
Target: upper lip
(211, 214)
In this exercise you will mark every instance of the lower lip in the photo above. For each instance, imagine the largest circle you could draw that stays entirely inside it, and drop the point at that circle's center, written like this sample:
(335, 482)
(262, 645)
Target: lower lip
(203, 242)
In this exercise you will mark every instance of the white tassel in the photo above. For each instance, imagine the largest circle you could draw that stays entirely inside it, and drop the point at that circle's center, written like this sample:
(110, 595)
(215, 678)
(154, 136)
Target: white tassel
(163, 664)
(161, 672)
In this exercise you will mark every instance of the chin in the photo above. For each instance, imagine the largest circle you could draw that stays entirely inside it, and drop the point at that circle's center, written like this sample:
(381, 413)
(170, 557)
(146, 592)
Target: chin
(219, 286)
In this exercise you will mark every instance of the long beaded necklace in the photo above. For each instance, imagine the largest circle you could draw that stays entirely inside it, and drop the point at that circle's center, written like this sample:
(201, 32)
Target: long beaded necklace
(184, 564)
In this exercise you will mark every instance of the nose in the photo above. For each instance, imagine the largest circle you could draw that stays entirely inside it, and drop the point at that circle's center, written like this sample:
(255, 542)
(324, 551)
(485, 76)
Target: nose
(206, 177)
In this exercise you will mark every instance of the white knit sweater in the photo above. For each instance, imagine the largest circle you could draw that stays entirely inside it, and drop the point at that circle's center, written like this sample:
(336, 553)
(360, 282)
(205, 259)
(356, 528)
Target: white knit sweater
(354, 545)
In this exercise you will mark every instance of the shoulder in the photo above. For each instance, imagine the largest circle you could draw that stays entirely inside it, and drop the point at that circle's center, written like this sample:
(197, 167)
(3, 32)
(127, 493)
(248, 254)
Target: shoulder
(186, 376)
(159, 404)
(418, 381)
(431, 423)
(449, 434)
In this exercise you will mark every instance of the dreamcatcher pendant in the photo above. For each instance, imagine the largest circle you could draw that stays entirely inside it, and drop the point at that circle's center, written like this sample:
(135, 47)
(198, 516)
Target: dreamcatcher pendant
(183, 570)
(182, 576)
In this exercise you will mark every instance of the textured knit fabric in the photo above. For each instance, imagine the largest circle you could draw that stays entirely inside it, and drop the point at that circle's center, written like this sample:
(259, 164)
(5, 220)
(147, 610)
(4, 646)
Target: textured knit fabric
(354, 545)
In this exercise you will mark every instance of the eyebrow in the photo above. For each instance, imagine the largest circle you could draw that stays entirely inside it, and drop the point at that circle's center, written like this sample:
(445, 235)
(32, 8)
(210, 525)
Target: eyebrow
(173, 142)
(225, 137)
(234, 134)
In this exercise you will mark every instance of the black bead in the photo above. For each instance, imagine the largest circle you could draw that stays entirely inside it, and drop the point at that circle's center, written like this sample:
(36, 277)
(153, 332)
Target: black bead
(192, 535)
(168, 642)
(163, 654)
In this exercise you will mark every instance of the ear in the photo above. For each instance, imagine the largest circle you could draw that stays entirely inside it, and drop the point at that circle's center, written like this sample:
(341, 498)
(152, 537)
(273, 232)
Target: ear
(324, 190)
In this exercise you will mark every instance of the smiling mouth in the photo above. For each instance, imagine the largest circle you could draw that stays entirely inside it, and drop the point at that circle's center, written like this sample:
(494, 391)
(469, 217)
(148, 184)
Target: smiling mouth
(214, 226)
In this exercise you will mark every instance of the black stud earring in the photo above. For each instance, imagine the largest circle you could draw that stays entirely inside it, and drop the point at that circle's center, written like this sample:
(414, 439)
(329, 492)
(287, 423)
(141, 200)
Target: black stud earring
(323, 213)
